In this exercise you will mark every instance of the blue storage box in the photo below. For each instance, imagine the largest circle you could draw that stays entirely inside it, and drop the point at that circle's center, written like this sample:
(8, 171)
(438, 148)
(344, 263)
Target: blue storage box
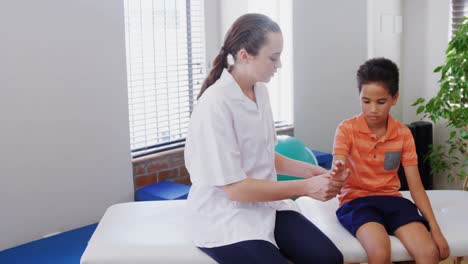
(324, 159)
(164, 190)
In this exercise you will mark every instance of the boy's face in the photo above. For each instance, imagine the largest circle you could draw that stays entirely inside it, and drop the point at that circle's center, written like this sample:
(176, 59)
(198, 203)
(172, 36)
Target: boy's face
(376, 102)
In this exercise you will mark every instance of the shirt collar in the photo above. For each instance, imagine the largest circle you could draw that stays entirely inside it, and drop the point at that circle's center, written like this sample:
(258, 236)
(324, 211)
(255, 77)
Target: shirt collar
(233, 89)
(392, 126)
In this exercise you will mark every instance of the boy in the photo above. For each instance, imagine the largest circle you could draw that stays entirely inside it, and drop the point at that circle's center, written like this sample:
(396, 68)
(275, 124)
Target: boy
(373, 143)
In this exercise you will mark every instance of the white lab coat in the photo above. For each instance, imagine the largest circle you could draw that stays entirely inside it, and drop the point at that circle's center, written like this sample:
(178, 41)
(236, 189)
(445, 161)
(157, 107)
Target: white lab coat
(230, 138)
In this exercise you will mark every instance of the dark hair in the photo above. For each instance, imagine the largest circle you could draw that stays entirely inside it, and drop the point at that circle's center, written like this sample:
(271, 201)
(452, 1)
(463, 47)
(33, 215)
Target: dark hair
(248, 32)
(379, 70)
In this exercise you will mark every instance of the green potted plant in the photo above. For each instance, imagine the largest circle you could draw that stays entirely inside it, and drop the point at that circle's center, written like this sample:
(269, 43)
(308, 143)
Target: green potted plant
(451, 104)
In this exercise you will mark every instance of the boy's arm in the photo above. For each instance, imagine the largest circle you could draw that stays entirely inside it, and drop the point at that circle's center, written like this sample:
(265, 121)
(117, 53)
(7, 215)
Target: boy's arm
(422, 202)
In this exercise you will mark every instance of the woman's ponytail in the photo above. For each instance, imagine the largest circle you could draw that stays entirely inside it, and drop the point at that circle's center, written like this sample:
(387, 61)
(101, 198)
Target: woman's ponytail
(219, 64)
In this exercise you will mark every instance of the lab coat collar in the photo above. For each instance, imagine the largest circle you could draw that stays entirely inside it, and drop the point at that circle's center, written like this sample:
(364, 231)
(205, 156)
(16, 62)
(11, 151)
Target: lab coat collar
(233, 90)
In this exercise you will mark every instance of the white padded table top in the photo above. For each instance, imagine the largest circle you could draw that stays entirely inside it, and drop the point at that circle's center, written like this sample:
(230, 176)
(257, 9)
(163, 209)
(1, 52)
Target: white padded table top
(143, 232)
(158, 231)
(450, 209)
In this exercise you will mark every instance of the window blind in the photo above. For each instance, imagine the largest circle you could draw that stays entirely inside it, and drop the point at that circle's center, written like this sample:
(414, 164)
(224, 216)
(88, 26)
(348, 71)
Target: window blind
(165, 69)
(459, 10)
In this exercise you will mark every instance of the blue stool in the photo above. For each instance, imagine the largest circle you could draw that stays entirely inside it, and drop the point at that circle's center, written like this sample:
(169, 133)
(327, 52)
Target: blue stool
(324, 159)
(164, 190)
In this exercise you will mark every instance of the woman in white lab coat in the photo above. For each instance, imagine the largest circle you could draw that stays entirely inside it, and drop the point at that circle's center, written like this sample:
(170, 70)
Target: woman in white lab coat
(241, 213)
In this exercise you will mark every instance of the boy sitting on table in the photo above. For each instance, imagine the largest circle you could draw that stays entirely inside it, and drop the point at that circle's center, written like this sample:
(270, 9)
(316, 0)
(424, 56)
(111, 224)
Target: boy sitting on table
(372, 144)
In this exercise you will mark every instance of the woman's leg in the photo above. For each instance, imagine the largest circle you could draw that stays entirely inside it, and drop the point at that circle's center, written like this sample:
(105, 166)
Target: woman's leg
(248, 252)
(302, 242)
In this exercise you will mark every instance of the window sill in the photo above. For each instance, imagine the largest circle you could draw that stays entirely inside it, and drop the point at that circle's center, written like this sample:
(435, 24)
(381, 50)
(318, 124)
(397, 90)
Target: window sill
(280, 130)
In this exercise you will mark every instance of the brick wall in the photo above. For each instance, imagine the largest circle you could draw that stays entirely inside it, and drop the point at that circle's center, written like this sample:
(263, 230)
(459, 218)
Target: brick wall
(169, 165)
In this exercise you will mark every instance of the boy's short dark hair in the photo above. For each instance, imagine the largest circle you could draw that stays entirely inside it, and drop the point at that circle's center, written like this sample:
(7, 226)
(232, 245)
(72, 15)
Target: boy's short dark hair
(379, 70)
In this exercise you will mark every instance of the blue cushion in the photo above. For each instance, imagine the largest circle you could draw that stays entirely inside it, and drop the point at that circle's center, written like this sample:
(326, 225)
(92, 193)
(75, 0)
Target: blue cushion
(324, 159)
(164, 190)
(63, 248)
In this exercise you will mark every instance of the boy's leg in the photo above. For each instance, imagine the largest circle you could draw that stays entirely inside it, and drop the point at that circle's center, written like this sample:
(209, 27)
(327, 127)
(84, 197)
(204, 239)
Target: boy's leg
(249, 252)
(363, 218)
(419, 243)
(302, 242)
(376, 242)
(411, 228)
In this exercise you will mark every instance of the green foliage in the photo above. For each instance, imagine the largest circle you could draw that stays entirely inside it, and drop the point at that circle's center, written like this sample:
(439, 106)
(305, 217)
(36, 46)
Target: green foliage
(450, 104)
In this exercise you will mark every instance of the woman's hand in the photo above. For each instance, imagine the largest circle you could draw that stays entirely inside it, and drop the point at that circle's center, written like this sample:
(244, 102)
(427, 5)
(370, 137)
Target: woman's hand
(323, 187)
(326, 186)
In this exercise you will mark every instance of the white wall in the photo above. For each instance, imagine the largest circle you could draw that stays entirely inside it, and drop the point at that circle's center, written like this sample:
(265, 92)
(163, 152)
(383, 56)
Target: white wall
(384, 34)
(64, 155)
(213, 38)
(329, 45)
(425, 38)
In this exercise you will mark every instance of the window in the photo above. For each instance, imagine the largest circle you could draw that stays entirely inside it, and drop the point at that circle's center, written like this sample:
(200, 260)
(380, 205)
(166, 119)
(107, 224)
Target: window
(459, 10)
(165, 69)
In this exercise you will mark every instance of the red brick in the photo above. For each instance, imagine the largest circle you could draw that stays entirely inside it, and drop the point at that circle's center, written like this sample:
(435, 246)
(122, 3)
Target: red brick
(145, 180)
(139, 169)
(183, 171)
(177, 160)
(157, 165)
(183, 180)
(167, 174)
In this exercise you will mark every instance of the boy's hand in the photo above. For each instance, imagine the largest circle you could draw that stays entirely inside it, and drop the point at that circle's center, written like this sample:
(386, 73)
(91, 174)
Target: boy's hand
(442, 245)
(339, 171)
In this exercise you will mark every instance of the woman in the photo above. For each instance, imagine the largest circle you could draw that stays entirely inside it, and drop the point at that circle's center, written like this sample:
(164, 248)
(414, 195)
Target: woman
(240, 214)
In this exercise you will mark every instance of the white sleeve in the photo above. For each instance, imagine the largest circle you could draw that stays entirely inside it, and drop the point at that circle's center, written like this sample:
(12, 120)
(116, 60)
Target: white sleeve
(212, 153)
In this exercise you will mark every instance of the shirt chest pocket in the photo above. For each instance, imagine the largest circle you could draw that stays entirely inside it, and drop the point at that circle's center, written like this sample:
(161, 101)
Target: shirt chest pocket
(392, 160)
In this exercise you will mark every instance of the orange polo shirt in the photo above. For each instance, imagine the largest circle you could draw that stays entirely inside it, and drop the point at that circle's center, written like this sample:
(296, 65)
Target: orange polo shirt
(373, 162)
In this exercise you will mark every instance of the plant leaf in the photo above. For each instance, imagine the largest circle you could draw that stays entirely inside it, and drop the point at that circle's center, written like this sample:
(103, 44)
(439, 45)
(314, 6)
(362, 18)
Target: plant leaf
(464, 134)
(420, 109)
(418, 101)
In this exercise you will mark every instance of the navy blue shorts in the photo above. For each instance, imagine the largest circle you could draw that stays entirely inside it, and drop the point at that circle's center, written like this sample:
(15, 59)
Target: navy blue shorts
(390, 211)
(298, 239)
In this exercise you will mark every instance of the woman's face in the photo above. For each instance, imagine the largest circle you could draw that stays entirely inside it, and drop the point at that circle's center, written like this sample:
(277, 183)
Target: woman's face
(264, 65)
